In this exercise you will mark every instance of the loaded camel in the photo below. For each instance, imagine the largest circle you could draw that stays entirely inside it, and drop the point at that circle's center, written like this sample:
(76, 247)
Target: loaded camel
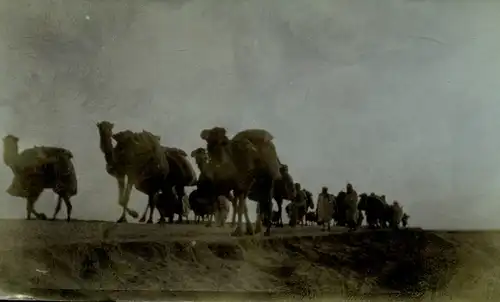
(138, 159)
(375, 210)
(240, 161)
(39, 168)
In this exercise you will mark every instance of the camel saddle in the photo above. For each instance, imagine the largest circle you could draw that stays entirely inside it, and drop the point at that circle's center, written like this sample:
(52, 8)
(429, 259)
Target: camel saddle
(255, 136)
(33, 159)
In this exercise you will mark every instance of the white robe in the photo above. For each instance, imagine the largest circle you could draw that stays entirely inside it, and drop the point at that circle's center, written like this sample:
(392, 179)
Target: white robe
(325, 208)
(351, 201)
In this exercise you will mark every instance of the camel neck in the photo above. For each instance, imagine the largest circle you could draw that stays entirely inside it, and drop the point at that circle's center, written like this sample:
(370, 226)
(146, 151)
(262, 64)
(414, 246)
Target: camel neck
(106, 147)
(203, 167)
(10, 153)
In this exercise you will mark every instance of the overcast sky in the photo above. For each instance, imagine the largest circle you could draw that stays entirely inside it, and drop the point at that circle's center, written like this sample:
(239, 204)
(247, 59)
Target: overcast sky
(397, 97)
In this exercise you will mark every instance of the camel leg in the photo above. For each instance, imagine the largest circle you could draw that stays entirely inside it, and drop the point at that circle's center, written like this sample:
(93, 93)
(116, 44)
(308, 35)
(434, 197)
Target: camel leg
(209, 222)
(280, 211)
(126, 198)
(258, 223)
(267, 209)
(179, 191)
(121, 189)
(143, 217)
(69, 207)
(294, 216)
(124, 203)
(151, 206)
(219, 213)
(238, 231)
(235, 209)
(249, 230)
(260, 217)
(58, 208)
(30, 207)
(162, 219)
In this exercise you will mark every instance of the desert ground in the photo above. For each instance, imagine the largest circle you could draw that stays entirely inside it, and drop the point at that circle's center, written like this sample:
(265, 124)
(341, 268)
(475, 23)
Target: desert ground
(105, 260)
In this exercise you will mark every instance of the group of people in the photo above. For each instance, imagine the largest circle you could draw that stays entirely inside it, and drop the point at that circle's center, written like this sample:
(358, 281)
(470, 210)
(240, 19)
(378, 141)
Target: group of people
(346, 209)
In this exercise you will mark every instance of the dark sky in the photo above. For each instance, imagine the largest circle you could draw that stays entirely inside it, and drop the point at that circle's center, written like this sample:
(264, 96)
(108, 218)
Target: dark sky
(397, 97)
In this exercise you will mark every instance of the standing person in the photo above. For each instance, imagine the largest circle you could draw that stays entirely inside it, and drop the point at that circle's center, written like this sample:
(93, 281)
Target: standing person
(325, 208)
(298, 201)
(351, 201)
(397, 214)
(404, 220)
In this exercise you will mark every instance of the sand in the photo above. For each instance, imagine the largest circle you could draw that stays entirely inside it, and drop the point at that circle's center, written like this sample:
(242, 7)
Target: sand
(104, 260)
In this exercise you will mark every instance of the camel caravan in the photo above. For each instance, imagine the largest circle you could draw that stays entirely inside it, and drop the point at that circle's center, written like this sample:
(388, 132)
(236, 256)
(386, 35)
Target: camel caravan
(232, 170)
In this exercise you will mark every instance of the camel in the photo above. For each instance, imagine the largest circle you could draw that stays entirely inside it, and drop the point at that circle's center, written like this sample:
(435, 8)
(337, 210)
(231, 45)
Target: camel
(375, 210)
(138, 159)
(39, 168)
(248, 156)
(204, 199)
(181, 174)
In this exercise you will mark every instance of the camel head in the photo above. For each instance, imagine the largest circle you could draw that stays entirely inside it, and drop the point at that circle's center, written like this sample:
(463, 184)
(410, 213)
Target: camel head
(10, 139)
(216, 135)
(215, 138)
(10, 149)
(217, 142)
(105, 127)
(200, 155)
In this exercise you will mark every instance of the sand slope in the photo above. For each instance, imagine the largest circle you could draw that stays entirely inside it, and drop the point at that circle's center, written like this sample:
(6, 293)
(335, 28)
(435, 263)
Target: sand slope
(139, 261)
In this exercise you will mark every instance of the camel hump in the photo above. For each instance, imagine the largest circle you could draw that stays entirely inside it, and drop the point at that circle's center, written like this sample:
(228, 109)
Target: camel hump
(179, 157)
(255, 136)
(123, 136)
(145, 138)
(33, 158)
(141, 142)
(56, 152)
(175, 151)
